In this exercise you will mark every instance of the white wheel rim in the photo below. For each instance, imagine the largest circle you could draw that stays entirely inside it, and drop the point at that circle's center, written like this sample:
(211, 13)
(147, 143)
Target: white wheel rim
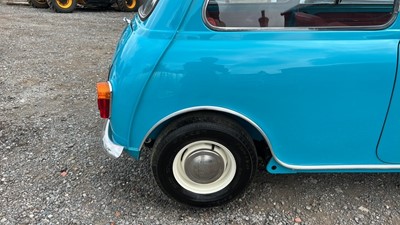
(204, 167)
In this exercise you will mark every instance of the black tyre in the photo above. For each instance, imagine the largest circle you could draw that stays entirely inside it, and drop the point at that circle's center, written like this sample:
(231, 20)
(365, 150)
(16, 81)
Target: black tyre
(62, 6)
(128, 5)
(38, 3)
(204, 163)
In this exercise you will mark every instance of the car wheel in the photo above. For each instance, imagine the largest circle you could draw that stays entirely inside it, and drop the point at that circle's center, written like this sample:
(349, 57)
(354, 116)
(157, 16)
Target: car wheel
(38, 3)
(62, 6)
(127, 5)
(205, 163)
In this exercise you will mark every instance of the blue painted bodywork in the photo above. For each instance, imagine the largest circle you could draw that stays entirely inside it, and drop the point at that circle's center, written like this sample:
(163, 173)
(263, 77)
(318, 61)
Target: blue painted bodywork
(389, 144)
(324, 100)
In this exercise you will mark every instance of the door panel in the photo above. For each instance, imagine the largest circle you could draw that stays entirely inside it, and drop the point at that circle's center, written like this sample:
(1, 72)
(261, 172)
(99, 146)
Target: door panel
(389, 144)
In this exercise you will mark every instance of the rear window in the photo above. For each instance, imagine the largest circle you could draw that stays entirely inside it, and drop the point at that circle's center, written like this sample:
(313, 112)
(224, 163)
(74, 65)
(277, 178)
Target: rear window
(298, 13)
(147, 8)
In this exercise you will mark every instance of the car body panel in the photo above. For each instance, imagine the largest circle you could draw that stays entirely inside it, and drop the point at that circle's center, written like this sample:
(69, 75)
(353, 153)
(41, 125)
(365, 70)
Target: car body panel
(316, 94)
(141, 46)
(318, 97)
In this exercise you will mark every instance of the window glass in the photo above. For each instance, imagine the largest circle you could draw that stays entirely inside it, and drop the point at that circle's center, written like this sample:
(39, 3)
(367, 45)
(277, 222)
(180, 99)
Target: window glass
(298, 13)
(146, 9)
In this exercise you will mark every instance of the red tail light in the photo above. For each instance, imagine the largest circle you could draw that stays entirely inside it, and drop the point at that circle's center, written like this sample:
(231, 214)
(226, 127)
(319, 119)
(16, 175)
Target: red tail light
(104, 99)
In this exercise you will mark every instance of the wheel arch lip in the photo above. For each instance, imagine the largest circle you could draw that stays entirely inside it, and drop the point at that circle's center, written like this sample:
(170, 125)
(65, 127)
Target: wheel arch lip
(212, 109)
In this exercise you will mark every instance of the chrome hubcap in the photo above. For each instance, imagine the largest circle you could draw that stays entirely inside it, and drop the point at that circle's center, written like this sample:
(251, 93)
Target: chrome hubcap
(204, 167)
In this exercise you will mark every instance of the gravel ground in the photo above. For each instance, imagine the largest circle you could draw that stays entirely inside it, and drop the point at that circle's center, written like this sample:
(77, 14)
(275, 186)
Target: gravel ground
(53, 170)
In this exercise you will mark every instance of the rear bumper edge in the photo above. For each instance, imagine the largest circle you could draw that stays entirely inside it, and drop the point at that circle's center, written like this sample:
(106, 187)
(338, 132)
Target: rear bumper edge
(112, 149)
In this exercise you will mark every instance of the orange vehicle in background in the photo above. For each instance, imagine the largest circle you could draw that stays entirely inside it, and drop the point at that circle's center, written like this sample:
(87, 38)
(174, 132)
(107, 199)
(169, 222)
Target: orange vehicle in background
(68, 6)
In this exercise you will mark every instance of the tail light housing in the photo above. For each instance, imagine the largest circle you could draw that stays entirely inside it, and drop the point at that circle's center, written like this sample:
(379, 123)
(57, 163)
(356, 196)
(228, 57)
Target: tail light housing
(104, 99)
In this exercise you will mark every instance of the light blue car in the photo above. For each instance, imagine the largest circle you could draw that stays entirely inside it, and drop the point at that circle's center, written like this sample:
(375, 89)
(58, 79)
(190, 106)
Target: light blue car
(215, 85)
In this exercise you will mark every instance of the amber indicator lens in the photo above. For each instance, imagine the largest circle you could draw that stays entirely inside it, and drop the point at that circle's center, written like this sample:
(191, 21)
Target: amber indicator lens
(103, 99)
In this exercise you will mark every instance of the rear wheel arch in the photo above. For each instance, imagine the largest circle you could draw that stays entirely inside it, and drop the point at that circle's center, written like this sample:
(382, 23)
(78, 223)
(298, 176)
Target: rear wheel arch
(184, 117)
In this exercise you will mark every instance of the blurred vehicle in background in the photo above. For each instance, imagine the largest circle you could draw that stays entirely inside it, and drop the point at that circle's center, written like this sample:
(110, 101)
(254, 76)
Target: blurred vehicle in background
(68, 6)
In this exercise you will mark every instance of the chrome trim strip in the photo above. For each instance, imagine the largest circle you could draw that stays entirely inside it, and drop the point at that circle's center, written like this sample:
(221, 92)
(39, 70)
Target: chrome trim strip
(109, 146)
(290, 166)
(111, 94)
(341, 167)
(109, 84)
